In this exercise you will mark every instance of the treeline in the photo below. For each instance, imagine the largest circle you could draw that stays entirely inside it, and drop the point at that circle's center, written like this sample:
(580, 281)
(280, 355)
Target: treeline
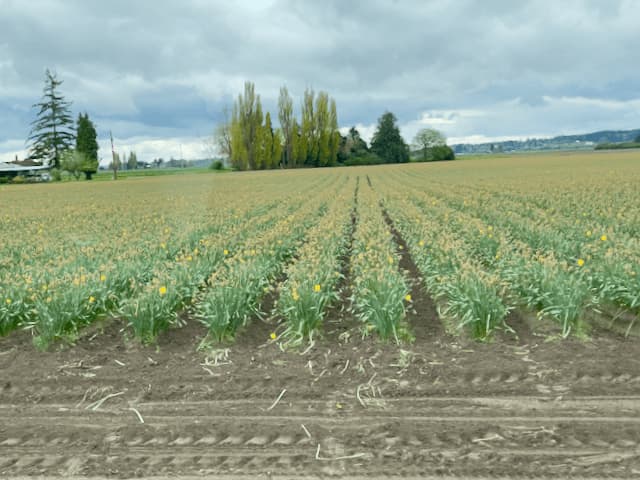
(122, 162)
(250, 141)
(619, 146)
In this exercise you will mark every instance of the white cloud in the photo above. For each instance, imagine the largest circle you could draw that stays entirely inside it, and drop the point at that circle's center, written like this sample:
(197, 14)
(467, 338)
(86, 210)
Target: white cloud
(366, 131)
(189, 148)
(485, 139)
(10, 148)
(149, 148)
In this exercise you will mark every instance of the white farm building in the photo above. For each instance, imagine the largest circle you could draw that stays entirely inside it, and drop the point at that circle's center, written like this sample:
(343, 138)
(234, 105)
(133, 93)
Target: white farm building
(27, 169)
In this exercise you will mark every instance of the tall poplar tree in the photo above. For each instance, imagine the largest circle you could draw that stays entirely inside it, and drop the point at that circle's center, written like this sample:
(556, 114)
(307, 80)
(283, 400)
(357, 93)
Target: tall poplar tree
(132, 162)
(319, 136)
(334, 139)
(289, 127)
(267, 143)
(52, 131)
(246, 124)
(307, 129)
(323, 133)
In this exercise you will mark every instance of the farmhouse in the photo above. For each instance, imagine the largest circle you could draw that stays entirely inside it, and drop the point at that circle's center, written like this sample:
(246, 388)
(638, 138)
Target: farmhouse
(25, 168)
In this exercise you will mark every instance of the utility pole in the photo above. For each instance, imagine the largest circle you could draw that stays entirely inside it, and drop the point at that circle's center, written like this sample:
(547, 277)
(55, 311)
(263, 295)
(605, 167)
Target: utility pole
(114, 159)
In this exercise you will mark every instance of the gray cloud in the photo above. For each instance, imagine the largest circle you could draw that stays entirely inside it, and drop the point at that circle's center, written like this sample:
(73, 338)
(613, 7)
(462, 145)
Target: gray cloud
(163, 70)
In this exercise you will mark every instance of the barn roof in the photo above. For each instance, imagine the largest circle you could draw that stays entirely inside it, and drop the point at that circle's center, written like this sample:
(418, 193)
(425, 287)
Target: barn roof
(12, 167)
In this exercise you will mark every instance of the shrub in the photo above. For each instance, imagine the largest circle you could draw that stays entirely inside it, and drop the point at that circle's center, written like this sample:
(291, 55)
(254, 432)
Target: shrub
(442, 152)
(437, 153)
(217, 165)
(366, 159)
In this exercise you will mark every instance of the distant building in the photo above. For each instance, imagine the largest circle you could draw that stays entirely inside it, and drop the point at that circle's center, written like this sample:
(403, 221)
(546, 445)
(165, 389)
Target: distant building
(25, 168)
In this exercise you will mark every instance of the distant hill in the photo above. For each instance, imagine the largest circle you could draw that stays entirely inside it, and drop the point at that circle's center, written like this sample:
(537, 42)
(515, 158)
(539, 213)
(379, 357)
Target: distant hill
(586, 141)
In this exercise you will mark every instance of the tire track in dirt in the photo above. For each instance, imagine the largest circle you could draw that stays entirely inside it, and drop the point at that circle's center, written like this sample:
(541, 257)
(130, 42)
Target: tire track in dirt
(304, 476)
(370, 441)
(459, 436)
(472, 406)
(208, 387)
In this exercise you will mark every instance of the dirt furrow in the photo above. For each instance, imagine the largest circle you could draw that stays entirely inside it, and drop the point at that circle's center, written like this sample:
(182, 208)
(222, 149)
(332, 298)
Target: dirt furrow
(423, 315)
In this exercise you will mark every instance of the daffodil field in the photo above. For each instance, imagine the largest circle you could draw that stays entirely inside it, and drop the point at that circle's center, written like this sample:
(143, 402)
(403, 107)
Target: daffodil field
(555, 236)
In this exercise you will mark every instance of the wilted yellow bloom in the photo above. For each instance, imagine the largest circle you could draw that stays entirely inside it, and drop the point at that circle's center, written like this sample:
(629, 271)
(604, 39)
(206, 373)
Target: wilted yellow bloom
(162, 291)
(421, 243)
(8, 301)
(294, 295)
(588, 233)
(390, 260)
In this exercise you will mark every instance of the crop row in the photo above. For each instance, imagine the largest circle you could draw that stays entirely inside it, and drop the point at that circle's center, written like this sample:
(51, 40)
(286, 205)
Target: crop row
(312, 280)
(237, 287)
(525, 262)
(58, 298)
(380, 290)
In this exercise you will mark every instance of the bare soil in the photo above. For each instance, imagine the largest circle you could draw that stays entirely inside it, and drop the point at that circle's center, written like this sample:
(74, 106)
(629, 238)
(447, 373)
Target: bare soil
(443, 406)
(520, 406)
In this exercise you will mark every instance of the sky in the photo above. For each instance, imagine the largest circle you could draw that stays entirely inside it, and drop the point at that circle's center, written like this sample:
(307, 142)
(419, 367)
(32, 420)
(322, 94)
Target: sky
(158, 74)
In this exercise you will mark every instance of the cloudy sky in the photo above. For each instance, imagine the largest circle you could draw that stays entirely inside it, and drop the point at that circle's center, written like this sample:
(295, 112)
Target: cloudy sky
(158, 73)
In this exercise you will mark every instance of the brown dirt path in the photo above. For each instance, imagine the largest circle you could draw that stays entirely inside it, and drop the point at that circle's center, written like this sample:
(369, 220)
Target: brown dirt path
(455, 407)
